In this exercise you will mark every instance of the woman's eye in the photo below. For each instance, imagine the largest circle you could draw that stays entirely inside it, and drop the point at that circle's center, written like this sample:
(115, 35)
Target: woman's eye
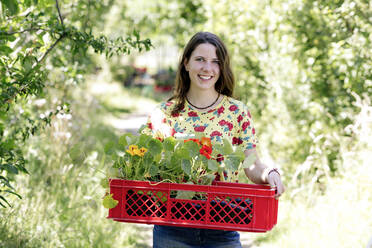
(199, 59)
(216, 61)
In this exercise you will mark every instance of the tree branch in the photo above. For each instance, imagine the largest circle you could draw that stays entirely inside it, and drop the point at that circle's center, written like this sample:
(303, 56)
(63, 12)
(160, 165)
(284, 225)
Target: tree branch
(25, 30)
(59, 12)
(50, 48)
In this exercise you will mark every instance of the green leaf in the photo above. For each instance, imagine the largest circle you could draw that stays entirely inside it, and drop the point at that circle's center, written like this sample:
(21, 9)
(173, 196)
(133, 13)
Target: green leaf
(227, 147)
(239, 152)
(5, 49)
(113, 172)
(123, 140)
(169, 144)
(153, 171)
(186, 166)
(9, 168)
(11, 5)
(155, 147)
(3, 198)
(182, 153)
(232, 163)
(143, 139)
(76, 154)
(182, 194)
(192, 148)
(109, 147)
(213, 165)
(109, 202)
(105, 183)
(249, 160)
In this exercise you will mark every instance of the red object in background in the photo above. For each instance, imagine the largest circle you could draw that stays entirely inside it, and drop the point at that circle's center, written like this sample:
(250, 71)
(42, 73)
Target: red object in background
(224, 206)
(162, 88)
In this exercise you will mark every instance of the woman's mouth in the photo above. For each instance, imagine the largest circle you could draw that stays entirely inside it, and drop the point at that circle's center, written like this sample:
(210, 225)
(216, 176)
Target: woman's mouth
(205, 78)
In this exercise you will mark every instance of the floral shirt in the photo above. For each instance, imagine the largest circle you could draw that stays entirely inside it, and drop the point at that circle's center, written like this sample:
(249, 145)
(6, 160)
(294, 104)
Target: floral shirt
(230, 119)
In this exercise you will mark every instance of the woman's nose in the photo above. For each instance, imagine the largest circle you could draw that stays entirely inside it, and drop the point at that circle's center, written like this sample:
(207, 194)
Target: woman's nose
(207, 66)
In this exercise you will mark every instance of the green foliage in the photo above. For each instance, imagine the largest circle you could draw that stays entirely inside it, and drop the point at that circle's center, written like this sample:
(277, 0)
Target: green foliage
(36, 42)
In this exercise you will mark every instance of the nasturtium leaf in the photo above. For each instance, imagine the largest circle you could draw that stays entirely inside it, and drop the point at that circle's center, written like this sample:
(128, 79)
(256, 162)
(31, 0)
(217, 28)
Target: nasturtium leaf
(105, 183)
(142, 127)
(109, 202)
(169, 144)
(239, 152)
(186, 166)
(213, 165)
(227, 147)
(143, 139)
(113, 172)
(249, 160)
(109, 147)
(153, 171)
(192, 148)
(123, 140)
(162, 196)
(218, 149)
(148, 159)
(182, 194)
(155, 147)
(229, 164)
(182, 153)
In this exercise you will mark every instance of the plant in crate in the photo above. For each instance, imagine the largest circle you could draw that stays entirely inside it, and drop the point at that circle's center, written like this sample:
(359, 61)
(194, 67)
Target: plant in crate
(195, 160)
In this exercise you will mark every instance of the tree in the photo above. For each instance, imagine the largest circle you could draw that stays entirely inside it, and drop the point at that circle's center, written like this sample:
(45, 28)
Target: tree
(38, 38)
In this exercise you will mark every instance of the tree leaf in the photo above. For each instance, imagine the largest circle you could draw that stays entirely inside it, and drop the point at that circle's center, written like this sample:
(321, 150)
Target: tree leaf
(11, 5)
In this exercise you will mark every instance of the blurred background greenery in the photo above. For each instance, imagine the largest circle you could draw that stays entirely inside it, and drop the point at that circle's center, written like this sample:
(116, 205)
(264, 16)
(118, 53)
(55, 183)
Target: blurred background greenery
(68, 87)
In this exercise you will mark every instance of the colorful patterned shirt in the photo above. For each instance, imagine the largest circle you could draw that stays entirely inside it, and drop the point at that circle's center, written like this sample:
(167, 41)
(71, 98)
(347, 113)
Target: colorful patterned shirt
(230, 119)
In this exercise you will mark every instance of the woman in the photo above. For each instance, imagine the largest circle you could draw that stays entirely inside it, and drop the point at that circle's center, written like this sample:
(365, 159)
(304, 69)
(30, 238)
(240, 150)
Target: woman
(203, 102)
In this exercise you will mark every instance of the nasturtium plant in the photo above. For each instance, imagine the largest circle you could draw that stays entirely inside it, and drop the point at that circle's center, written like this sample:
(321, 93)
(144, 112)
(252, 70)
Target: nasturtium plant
(195, 160)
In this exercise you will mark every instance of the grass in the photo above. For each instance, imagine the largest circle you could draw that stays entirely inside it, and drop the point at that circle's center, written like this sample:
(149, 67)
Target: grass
(61, 205)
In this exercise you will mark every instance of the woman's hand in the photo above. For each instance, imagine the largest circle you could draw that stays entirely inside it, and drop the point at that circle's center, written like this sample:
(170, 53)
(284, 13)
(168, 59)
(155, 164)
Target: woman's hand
(273, 178)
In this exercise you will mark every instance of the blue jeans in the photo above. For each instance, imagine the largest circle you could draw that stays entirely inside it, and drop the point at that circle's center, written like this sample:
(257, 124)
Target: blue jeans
(182, 237)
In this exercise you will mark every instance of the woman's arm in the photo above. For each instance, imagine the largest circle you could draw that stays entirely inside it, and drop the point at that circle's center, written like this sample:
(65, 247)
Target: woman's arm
(260, 173)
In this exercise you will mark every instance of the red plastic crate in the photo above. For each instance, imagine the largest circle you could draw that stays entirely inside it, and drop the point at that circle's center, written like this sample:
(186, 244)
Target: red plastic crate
(223, 206)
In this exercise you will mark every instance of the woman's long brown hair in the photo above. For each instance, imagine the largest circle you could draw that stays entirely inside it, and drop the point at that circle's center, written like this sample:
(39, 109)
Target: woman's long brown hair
(225, 83)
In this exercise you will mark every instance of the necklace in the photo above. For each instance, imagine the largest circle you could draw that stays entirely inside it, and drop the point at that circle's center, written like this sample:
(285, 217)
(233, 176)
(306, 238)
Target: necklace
(203, 107)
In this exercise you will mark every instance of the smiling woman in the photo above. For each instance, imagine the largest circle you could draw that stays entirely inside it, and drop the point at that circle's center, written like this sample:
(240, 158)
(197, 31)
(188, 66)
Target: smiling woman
(202, 104)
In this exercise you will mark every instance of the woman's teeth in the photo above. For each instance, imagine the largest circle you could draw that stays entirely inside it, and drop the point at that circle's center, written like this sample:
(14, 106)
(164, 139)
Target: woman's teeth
(205, 77)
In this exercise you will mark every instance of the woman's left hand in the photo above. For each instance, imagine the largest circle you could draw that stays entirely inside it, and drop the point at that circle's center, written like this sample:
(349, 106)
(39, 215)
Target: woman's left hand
(273, 178)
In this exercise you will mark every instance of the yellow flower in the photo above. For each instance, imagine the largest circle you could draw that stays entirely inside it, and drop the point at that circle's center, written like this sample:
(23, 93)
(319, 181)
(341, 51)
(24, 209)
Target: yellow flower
(133, 150)
(143, 151)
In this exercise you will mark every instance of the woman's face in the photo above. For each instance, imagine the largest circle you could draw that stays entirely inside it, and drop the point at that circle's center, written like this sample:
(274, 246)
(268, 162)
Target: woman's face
(203, 67)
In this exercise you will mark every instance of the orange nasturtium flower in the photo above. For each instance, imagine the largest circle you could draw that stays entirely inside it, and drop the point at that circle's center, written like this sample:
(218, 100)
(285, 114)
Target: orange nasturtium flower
(205, 141)
(194, 140)
(206, 151)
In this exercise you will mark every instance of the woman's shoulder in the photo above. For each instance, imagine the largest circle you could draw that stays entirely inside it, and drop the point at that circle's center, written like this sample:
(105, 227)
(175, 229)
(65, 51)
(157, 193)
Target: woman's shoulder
(235, 105)
(166, 106)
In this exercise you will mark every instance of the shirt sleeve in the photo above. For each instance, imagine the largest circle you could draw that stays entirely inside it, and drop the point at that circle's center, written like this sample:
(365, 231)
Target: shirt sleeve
(247, 132)
(156, 124)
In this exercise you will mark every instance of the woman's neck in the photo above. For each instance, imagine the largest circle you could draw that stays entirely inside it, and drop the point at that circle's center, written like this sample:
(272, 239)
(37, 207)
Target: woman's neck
(202, 98)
